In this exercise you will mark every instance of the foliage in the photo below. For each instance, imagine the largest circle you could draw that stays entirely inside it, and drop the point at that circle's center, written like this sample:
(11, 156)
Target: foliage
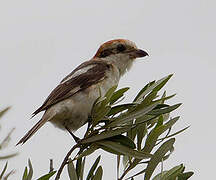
(176, 172)
(137, 133)
(4, 143)
(28, 173)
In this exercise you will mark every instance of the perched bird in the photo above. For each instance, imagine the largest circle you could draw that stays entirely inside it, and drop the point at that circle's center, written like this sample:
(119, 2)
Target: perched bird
(69, 105)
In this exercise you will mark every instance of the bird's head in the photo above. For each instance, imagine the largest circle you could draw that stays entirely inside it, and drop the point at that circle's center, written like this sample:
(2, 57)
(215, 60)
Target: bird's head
(120, 52)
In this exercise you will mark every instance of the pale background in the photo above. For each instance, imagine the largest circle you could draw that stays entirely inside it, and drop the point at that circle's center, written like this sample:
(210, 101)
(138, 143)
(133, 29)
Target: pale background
(42, 41)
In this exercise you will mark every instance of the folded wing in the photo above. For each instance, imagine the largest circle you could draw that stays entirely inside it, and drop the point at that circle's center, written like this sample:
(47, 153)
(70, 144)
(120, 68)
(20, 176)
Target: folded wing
(84, 76)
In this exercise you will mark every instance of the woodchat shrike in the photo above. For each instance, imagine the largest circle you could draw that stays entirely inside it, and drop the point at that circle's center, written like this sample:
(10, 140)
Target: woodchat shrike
(69, 105)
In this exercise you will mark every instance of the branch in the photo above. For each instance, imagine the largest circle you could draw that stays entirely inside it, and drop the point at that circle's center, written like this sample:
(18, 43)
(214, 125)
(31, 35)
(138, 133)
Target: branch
(51, 166)
(65, 161)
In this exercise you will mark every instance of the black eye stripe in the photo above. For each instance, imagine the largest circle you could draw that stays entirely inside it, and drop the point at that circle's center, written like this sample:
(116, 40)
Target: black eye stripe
(105, 53)
(121, 48)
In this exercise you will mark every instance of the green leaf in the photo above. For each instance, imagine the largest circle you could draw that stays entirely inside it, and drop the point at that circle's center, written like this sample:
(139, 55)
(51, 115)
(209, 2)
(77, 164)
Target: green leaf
(8, 156)
(156, 132)
(71, 171)
(103, 101)
(2, 112)
(168, 155)
(185, 176)
(82, 169)
(110, 150)
(120, 121)
(124, 140)
(153, 87)
(120, 108)
(141, 132)
(161, 100)
(148, 99)
(98, 174)
(96, 105)
(103, 111)
(157, 112)
(25, 174)
(163, 96)
(132, 132)
(145, 119)
(87, 152)
(124, 149)
(110, 92)
(91, 171)
(160, 106)
(6, 140)
(152, 139)
(170, 174)
(30, 173)
(118, 94)
(173, 173)
(105, 135)
(139, 95)
(78, 167)
(157, 157)
(171, 135)
(160, 122)
(101, 107)
(3, 171)
(47, 176)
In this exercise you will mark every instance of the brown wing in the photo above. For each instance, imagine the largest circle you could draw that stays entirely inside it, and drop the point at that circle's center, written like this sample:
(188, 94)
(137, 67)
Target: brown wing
(76, 84)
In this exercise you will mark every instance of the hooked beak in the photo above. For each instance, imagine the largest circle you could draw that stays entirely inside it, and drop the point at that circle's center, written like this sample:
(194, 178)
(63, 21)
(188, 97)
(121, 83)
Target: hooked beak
(136, 53)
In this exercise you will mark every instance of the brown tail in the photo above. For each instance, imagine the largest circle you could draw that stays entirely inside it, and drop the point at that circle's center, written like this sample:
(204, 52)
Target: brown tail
(31, 132)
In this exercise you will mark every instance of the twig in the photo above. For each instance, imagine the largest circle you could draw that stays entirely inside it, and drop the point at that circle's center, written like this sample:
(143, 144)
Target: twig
(162, 167)
(123, 175)
(65, 161)
(118, 164)
(51, 166)
(6, 139)
(10, 173)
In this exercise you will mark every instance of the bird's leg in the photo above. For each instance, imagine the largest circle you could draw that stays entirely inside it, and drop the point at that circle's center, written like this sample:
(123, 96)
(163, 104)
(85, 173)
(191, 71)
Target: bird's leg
(76, 139)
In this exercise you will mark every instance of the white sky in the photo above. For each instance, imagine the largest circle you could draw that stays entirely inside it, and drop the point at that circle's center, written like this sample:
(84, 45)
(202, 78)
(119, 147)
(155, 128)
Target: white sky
(42, 41)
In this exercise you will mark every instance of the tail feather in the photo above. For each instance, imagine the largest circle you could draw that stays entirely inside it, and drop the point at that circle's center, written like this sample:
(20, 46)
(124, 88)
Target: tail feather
(32, 131)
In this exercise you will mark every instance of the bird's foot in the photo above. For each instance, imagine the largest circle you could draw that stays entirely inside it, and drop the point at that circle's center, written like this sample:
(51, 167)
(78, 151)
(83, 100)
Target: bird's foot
(76, 139)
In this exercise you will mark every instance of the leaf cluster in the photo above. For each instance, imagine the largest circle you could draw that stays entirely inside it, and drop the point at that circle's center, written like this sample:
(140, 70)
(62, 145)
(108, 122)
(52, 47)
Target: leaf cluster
(28, 173)
(4, 144)
(139, 133)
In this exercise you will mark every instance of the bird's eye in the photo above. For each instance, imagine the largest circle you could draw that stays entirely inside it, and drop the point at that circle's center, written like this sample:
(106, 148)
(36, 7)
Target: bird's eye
(121, 48)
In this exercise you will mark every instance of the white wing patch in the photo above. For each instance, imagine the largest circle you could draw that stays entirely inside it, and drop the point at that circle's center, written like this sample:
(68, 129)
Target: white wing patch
(77, 73)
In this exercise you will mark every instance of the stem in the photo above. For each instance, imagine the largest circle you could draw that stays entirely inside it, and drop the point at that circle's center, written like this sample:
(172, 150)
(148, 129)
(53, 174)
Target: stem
(126, 171)
(118, 164)
(51, 166)
(123, 175)
(65, 161)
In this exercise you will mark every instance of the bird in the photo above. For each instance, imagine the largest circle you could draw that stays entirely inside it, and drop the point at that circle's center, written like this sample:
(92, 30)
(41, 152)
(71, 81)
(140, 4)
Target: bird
(69, 105)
